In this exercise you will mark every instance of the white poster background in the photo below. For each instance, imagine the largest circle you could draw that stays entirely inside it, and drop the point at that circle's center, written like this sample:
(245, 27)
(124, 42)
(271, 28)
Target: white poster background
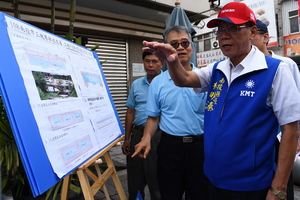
(265, 11)
(73, 125)
(207, 57)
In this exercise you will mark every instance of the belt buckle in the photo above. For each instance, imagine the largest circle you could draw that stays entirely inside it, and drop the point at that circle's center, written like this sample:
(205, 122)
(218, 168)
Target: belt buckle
(187, 139)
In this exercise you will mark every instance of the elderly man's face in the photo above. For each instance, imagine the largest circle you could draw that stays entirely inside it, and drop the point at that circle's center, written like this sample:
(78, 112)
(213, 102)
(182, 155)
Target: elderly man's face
(260, 40)
(184, 49)
(152, 65)
(235, 40)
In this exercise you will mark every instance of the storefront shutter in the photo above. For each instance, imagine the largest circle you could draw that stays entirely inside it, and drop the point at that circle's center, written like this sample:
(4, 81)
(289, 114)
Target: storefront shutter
(112, 54)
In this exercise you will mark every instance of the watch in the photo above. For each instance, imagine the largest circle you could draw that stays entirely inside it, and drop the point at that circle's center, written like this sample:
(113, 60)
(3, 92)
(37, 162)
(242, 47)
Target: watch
(280, 194)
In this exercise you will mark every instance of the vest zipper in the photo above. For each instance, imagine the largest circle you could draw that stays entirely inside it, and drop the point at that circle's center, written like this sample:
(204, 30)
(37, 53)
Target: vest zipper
(223, 106)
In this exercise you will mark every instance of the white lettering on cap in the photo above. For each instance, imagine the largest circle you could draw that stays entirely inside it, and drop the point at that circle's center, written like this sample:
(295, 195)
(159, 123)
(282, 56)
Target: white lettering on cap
(228, 10)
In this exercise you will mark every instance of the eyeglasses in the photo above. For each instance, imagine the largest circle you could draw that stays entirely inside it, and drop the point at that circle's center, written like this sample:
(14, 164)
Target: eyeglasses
(184, 44)
(229, 29)
(153, 61)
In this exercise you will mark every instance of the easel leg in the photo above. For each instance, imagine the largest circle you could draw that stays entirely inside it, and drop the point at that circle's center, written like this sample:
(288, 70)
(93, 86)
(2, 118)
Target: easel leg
(65, 188)
(104, 186)
(85, 185)
(84, 173)
(115, 177)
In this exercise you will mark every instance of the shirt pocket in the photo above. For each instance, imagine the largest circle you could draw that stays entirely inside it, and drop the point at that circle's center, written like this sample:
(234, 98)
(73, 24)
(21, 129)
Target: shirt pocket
(198, 102)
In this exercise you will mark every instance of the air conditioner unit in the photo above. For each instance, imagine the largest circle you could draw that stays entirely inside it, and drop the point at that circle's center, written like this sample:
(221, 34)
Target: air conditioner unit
(215, 45)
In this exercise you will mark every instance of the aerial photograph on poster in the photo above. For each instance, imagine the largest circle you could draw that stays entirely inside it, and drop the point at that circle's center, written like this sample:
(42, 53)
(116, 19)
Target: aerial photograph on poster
(54, 86)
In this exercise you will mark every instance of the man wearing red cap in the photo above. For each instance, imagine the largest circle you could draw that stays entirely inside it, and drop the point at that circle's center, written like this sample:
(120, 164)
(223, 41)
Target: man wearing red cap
(249, 95)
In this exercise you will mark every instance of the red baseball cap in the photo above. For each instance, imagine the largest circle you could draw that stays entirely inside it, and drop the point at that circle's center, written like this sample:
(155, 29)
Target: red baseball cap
(235, 13)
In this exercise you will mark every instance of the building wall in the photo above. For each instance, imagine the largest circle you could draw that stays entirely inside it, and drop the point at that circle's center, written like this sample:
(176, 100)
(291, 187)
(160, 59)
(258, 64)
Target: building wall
(38, 13)
(287, 6)
(135, 54)
(194, 5)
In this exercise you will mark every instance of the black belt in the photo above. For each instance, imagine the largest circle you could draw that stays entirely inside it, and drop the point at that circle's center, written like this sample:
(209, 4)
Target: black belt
(138, 128)
(141, 128)
(184, 139)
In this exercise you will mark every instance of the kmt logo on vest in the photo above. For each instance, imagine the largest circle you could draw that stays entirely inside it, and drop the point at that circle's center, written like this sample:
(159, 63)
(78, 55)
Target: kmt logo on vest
(247, 93)
(250, 84)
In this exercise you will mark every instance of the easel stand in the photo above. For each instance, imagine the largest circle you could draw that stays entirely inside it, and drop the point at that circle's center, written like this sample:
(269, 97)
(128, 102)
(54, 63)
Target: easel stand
(83, 173)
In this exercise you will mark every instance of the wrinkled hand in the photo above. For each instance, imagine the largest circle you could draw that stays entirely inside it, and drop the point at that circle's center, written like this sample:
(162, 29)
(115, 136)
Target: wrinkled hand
(161, 50)
(126, 147)
(142, 149)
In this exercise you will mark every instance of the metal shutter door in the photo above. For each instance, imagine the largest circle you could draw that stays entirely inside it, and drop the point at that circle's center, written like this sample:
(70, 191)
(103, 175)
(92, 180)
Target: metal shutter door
(113, 52)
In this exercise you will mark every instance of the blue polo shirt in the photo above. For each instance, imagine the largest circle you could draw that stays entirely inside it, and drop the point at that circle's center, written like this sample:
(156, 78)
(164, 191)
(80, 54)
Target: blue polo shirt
(137, 100)
(180, 109)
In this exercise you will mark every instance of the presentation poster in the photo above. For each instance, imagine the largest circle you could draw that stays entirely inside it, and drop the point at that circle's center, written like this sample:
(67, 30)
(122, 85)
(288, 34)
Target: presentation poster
(63, 112)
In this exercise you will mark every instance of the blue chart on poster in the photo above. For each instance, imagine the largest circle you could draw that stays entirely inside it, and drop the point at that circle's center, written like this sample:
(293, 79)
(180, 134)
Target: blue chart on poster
(57, 101)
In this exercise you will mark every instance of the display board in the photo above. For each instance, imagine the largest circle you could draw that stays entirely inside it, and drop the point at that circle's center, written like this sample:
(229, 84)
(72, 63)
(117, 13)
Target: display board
(57, 100)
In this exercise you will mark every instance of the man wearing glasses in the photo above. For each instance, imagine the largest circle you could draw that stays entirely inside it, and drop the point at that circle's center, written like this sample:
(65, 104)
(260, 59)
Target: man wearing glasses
(179, 113)
(249, 96)
(261, 40)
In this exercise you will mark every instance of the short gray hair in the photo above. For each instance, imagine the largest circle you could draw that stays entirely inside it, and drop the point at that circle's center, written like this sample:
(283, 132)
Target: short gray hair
(177, 29)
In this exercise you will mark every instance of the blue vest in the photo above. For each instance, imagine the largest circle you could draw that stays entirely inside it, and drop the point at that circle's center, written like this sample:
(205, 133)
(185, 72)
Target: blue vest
(240, 130)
